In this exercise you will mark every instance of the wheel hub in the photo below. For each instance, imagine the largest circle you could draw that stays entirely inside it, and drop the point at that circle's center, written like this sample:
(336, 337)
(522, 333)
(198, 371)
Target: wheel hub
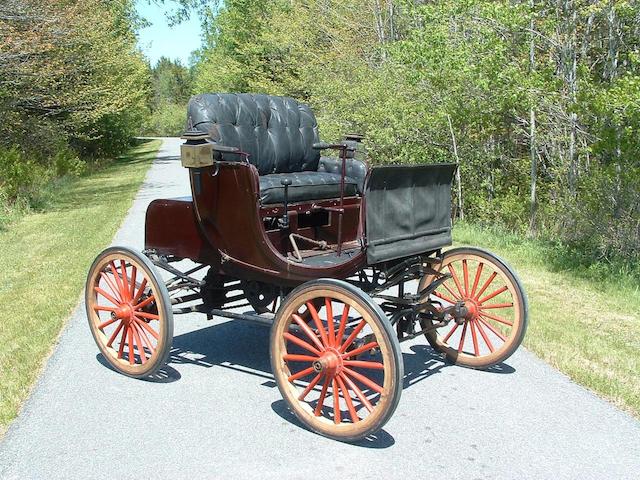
(330, 362)
(472, 308)
(124, 312)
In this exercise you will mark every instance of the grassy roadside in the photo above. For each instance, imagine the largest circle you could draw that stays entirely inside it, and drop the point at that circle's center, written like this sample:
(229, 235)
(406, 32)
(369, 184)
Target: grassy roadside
(584, 324)
(44, 258)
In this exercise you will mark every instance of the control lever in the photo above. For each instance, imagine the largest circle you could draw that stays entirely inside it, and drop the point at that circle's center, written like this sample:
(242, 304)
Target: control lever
(285, 182)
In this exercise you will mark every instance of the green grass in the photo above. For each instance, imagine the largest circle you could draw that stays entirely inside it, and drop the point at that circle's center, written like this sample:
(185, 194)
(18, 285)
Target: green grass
(584, 321)
(44, 258)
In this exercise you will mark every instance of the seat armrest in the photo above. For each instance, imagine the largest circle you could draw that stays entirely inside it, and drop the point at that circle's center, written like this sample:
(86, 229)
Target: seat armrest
(224, 149)
(325, 146)
(355, 169)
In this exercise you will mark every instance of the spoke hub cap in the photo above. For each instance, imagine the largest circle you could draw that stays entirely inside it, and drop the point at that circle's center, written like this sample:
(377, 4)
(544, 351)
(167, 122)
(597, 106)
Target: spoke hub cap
(125, 312)
(473, 309)
(330, 362)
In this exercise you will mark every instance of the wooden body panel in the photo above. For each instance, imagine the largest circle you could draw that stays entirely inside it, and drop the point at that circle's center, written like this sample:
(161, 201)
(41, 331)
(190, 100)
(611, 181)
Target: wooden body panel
(224, 226)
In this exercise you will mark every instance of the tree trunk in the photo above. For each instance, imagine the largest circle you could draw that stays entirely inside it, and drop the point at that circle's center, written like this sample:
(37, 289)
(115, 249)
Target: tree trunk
(458, 180)
(533, 199)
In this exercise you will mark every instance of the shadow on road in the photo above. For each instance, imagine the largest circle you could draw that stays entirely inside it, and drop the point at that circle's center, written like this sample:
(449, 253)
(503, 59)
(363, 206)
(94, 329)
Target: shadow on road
(244, 347)
(381, 439)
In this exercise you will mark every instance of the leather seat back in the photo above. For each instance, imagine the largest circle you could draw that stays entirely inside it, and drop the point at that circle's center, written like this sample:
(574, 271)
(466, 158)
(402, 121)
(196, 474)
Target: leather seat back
(277, 132)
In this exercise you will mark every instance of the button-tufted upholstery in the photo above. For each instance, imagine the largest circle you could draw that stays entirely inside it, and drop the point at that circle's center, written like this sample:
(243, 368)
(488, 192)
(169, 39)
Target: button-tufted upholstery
(278, 133)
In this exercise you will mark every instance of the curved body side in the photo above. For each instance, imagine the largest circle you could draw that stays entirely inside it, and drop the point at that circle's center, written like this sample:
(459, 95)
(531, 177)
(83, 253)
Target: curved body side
(227, 207)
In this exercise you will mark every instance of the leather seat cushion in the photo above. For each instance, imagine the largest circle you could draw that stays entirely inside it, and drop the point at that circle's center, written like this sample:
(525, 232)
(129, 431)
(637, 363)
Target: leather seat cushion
(305, 186)
(278, 133)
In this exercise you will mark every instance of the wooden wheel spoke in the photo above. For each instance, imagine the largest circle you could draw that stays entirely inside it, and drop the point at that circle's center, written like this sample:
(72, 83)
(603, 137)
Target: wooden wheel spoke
(116, 277)
(343, 323)
(323, 393)
(493, 294)
(125, 282)
(337, 417)
(364, 380)
(138, 342)
(484, 336)
(486, 285)
(476, 279)
(141, 288)
(474, 337)
(115, 334)
(122, 339)
(444, 297)
(150, 316)
(144, 337)
(112, 287)
(490, 327)
(131, 355)
(148, 328)
(301, 343)
(347, 398)
(455, 327)
(301, 373)
(359, 350)
(316, 320)
(496, 305)
(145, 302)
(330, 326)
(364, 364)
(455, 279)
(353, 335)
(107, 296)
(103, 308)
(465, 276)
(361, 396)
(134, 275)
(464, 332)
(310, 387)
(291, 357)
(308, 332)
(497, 319)
(107, 323)
(450, 290)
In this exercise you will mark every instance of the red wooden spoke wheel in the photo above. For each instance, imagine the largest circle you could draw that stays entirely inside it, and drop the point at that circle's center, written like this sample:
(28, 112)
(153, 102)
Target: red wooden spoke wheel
(129, 312)
(497, 308)
(341, 370)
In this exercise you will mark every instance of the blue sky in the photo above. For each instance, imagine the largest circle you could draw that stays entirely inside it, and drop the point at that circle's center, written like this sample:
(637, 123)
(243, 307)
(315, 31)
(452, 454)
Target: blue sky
(160, 40)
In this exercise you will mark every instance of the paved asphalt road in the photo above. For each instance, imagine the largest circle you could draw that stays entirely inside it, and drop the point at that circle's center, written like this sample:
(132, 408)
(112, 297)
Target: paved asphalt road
(220, 415)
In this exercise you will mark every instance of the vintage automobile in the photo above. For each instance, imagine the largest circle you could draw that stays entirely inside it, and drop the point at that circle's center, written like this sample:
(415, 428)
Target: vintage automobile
(342, 260)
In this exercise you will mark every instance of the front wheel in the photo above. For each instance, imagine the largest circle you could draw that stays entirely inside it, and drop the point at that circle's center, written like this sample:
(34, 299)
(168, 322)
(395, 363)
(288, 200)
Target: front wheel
(341, 370)
(129, 312)
(497, 308)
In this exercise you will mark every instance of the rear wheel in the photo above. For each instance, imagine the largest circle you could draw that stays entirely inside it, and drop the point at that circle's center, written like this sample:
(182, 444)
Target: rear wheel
(341, 370)
(129, 312)
(497, 320)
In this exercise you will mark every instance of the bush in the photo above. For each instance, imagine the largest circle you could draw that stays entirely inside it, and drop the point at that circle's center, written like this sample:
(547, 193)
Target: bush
(166, 121)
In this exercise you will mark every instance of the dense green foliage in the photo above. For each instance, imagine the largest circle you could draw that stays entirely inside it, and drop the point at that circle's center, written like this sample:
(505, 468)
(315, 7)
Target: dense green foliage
(171, 85)
(541, 97)
(73, 87)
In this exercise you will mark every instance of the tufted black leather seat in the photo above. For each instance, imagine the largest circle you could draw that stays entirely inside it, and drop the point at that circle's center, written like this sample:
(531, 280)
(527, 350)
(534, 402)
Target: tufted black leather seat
(278, 134)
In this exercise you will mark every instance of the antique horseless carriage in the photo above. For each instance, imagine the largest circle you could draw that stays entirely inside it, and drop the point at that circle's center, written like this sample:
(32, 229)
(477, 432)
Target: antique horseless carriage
(341, 260)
